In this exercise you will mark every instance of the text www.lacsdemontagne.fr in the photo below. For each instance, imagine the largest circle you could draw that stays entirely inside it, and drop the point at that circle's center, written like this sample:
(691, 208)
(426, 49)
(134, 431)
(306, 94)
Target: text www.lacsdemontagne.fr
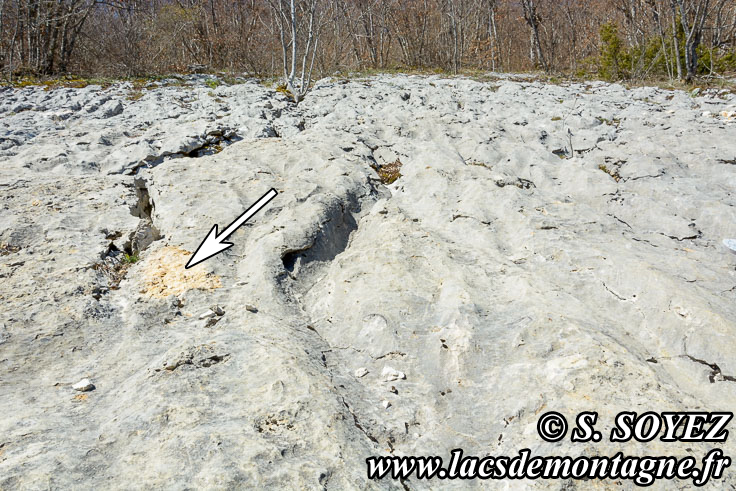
(643, 471)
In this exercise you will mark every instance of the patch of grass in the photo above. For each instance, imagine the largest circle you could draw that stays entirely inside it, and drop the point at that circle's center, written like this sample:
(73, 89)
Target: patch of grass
(389, 173)
(480, 164)
(611, 172)
(610, 122)
(664, 84)
(282, 89)
(212, 83)
(66, 82)
(130, 258)
(268, 82)
(231, 80)
(134, 95)
(136, 92)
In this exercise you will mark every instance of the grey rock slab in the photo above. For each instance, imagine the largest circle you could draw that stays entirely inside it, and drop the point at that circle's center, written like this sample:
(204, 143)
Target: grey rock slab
(495, 279)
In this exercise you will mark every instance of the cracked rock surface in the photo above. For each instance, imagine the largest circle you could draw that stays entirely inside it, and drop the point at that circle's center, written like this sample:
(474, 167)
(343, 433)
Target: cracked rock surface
(540, 248)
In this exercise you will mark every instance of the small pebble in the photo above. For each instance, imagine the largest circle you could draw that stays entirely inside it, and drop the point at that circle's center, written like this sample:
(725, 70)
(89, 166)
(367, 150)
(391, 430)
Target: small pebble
(386, 404)
(390, 374)
(83, 385)
(361, 372)
(207, 315)
(217, 310)
(251, 308)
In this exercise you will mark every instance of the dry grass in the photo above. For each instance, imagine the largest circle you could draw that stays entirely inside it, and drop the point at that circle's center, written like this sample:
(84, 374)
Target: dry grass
(6, 249)
(114, 267)
(164, 274)
(611, 172)
(389, 173)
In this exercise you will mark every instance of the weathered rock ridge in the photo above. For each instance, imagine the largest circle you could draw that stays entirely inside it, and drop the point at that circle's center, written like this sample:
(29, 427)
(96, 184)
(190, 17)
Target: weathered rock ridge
(545, 248)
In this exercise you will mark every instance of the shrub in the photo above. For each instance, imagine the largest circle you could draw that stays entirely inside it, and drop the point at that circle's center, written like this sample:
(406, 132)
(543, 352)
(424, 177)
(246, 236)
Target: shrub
(722, 62)
(612, 54)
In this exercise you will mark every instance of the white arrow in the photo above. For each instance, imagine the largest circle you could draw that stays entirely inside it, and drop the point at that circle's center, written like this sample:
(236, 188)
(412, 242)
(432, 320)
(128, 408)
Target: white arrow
(213, 244)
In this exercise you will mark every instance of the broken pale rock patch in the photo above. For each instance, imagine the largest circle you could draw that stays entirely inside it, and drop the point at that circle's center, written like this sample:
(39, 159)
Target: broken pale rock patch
(164, 274)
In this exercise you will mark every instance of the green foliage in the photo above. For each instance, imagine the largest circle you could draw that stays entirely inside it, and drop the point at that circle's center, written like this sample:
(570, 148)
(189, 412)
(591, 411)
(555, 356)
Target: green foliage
(130, 258)
(212, 83)
(647, 61)
(722, 61)
(612, 55)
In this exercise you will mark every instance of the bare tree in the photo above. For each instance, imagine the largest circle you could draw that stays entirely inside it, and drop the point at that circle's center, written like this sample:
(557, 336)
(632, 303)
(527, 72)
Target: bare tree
(373, 17)
(44, 34)
(490, 7)
(298, 22)
(456, 13)
(410, 22)
(693, 16)
(531, 15)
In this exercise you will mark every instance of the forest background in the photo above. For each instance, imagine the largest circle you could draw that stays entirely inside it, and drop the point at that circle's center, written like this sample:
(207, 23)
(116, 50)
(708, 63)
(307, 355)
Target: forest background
(675, 40)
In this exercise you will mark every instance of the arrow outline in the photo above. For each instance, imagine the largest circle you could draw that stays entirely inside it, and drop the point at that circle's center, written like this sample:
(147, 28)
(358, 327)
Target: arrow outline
(232, 227)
